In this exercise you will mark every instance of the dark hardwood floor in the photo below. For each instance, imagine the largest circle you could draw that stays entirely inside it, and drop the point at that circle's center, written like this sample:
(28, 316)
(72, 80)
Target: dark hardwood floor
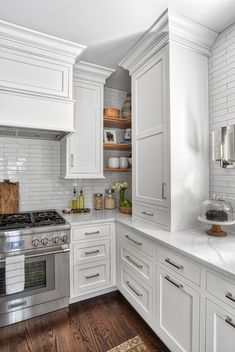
(94, 325)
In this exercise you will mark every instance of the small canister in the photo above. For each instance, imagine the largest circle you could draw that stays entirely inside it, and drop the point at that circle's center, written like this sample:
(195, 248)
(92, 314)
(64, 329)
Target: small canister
(109, 199)
(98, 201)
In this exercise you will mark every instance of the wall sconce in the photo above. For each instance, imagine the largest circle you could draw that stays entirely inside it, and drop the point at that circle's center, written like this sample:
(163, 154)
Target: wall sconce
(223, 146)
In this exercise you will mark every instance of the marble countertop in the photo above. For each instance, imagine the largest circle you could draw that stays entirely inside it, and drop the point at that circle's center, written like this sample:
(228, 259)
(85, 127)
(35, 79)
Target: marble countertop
(215, 252)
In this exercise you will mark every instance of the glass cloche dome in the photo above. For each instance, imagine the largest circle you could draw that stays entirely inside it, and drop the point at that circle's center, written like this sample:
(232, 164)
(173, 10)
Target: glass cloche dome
(217, 210)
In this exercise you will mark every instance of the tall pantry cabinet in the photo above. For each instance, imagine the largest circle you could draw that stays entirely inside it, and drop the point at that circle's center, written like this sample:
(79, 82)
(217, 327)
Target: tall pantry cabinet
(169, 73)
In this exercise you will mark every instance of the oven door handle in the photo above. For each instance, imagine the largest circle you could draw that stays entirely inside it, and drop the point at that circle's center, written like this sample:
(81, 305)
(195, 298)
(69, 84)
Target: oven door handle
(42, 254)
(47, 253)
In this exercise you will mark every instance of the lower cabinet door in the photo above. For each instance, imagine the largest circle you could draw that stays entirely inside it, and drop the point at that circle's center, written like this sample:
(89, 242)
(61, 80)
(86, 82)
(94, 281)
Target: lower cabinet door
(220, 329)
(178, 313)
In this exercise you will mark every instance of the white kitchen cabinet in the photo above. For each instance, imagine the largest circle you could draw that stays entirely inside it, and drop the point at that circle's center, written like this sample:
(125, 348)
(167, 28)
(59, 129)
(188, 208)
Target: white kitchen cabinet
(150, 131)
(36, 78)
(177, 313)
(92, 260)
(169, 73)
(220, 328)
(82, 152)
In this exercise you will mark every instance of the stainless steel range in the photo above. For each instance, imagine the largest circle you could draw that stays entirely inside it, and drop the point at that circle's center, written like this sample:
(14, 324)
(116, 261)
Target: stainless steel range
(41, 240)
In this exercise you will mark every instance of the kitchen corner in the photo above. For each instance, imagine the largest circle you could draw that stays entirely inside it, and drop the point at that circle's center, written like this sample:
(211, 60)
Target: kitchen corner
(117, 169)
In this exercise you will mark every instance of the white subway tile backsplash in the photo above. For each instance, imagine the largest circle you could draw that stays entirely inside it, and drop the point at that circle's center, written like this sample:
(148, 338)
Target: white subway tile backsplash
(36, 165)
(222, 102)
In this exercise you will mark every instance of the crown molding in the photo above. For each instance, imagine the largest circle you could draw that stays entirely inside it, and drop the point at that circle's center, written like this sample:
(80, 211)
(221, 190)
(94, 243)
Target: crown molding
(169, 27)
(30, 41)
(91, 72)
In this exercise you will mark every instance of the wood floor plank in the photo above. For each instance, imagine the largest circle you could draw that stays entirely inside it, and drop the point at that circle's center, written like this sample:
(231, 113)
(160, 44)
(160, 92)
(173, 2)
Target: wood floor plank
(94, 325)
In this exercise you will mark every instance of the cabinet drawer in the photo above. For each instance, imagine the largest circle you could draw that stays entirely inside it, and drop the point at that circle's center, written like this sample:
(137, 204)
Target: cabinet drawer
(152, 214)
(137, 293)
(90, 277)
(90, 232)
(136, 262)
(137, 240)
(90, 251)
(179, 264)
(221, 288)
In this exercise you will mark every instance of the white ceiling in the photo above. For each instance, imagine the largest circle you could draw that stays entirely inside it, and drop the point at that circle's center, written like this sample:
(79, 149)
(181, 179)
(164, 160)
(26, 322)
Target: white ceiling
(109, 28)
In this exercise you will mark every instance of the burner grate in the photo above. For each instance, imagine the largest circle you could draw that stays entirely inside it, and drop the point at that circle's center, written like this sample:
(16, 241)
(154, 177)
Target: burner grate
(30, 219)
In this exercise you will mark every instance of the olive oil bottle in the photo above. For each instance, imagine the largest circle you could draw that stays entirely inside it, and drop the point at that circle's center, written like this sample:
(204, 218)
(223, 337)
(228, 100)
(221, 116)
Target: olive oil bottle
(81, 200)
(74, 200)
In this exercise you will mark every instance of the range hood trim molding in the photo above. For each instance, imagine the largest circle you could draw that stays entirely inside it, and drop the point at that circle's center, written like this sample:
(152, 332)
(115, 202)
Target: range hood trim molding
(27, 40)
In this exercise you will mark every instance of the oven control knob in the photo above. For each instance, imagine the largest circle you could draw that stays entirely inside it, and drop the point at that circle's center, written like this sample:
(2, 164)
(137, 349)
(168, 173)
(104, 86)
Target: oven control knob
(65, 238)
(35, 242)
(44, 241)
(56, 239)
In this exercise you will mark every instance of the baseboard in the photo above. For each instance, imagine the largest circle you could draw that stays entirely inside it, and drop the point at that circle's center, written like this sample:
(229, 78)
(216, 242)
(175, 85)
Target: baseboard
(92, 294)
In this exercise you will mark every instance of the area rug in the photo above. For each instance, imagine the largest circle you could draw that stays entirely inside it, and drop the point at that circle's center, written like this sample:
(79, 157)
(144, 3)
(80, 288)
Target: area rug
(135, 344)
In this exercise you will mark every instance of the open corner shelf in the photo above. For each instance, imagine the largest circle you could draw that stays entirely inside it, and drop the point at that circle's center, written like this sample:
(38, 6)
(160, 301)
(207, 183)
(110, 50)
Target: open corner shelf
(117, 122)
(116, 146)
(107, 169)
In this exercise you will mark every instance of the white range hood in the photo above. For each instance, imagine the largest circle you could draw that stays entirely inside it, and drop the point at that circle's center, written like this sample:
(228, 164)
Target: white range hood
(36, 83)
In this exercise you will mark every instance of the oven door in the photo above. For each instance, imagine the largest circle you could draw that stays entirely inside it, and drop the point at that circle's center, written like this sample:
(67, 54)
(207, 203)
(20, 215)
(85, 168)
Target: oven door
(46, 279)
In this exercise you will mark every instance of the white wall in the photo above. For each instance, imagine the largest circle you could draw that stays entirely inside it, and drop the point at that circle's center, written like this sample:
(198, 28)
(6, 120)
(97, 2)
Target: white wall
(222, 104)
(36, 165)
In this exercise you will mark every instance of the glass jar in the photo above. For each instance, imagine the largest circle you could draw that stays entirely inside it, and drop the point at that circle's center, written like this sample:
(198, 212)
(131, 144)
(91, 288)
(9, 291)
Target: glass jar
(98, 201)
(217, 209)
(109, 199)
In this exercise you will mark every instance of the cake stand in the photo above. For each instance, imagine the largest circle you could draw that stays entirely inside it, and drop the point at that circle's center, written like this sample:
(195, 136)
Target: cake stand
(216, 226)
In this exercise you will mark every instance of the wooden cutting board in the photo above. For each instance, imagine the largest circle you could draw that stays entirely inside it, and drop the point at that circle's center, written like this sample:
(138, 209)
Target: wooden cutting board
(9, 197)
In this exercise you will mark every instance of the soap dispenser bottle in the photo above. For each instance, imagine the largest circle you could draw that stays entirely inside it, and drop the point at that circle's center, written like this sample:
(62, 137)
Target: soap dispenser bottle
(81, 200)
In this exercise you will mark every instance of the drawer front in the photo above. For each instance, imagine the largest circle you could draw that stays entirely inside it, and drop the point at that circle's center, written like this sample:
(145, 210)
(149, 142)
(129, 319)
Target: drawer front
(136, 262)
(152, 214)
(91, 232)
(137, 240)
(137, 293)
(179, 264)
(221, 288)
(90, 251)
(91, 277)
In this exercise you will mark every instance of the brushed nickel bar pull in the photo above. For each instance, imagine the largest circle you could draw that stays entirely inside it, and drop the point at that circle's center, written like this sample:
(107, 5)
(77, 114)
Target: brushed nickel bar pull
(72, 160)
(146, 213)
(163, 190)
(230, 296)
(92, 233)
(91, 276)
(92, 252)
(16, 305)
(177, 266)
(167, 277)
(134, 241)
(230, 322)
(133, 262)
(133, 289)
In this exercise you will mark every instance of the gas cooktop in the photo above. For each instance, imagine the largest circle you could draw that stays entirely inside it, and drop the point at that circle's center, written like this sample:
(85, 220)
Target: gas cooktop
(30, 219)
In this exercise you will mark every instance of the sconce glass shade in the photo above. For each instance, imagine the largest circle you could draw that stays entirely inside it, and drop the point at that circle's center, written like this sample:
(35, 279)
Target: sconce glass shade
(216, 210)
(223, 146)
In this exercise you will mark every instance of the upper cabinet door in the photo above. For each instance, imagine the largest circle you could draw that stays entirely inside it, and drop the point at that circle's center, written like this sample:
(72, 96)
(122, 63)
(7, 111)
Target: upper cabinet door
(85, 145)
(150, 131)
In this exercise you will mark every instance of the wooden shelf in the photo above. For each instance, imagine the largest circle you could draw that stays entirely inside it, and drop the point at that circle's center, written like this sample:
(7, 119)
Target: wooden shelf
(116, 146)
(117, 122)
(108, 169)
